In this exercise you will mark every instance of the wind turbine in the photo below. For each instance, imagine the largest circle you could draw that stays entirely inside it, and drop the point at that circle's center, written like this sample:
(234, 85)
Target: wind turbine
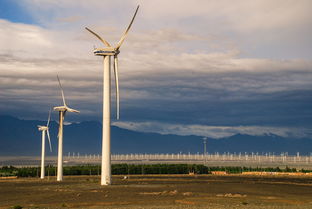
(44, 129)
(62, 111)
(107, 52)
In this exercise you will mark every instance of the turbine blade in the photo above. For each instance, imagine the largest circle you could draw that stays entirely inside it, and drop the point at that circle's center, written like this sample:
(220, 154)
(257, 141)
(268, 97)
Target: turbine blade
(102, 40)
(72, 110)
(117, 85)
(49, 118)
(49, 140)
(63, 97)
(127, 30)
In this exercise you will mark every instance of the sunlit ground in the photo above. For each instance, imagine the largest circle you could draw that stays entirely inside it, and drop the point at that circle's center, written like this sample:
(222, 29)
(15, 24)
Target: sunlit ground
(159, 191)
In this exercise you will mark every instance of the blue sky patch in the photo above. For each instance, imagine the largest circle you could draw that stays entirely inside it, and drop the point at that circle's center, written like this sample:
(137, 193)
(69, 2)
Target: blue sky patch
(12, 11)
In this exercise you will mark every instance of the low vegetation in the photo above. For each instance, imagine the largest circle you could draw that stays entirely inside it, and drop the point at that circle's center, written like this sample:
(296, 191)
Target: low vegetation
(127, 169)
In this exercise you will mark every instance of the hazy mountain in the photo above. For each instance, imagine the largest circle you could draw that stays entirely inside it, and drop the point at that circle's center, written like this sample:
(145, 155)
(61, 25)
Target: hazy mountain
(21, 137)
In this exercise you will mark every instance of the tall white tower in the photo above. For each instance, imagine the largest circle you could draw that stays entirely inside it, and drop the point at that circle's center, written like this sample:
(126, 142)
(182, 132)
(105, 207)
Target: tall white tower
(107, 52)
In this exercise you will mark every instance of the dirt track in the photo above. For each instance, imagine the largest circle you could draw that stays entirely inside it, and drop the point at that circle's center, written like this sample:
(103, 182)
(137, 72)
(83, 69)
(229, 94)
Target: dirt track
(159, 191)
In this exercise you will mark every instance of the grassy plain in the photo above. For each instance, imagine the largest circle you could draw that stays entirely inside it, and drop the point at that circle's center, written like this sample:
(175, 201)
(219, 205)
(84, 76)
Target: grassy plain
(159, 191)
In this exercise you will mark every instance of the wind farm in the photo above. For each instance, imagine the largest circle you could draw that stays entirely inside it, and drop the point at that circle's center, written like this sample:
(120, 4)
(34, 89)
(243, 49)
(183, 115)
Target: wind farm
(209, 105)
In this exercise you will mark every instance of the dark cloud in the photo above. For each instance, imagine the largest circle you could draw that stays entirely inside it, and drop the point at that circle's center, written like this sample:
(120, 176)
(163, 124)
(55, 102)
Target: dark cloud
(278, 97)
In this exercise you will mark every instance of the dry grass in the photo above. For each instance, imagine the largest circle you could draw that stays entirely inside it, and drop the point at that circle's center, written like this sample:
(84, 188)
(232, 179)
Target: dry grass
(159, 191)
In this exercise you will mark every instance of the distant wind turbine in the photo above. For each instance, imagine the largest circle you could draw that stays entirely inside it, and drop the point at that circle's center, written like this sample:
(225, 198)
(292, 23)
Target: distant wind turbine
(62, 111)
(107, 52)
(44, 129)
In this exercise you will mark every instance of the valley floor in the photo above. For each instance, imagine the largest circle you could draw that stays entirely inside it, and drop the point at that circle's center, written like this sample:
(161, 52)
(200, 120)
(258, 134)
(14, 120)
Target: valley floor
(159, 191)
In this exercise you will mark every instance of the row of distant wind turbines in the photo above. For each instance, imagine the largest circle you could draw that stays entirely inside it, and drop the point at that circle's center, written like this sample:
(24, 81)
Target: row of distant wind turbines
(106, 52)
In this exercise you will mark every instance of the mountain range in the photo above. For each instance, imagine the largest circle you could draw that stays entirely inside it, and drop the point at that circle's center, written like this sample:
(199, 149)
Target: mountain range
(21, 137)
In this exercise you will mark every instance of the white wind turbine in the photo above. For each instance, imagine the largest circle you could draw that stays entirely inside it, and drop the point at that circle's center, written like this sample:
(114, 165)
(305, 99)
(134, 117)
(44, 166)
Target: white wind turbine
(62, 111)
(44, 129)
(107, 52)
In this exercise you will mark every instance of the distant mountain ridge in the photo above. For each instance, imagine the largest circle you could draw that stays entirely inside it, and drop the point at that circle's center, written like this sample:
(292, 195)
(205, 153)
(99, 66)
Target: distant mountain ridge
(21, 137)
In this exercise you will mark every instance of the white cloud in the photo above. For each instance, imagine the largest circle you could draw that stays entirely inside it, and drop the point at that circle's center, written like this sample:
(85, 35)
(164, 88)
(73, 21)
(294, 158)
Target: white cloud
(214, 131)
(243, 15)
(276, 25)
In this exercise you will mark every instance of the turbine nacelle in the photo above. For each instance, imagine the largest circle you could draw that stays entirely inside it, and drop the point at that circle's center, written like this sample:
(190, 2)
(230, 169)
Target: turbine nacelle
(64, 109)
(42, 128)
(106, 51)
(60, 108)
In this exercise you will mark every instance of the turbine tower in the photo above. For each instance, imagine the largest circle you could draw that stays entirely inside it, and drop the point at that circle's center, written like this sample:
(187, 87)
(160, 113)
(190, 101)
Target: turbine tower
(62, 111)
(44, 129)
(107, 52)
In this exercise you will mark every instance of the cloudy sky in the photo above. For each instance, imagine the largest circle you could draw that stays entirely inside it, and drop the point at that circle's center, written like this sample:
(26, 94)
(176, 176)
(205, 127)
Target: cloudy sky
(211, 68)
